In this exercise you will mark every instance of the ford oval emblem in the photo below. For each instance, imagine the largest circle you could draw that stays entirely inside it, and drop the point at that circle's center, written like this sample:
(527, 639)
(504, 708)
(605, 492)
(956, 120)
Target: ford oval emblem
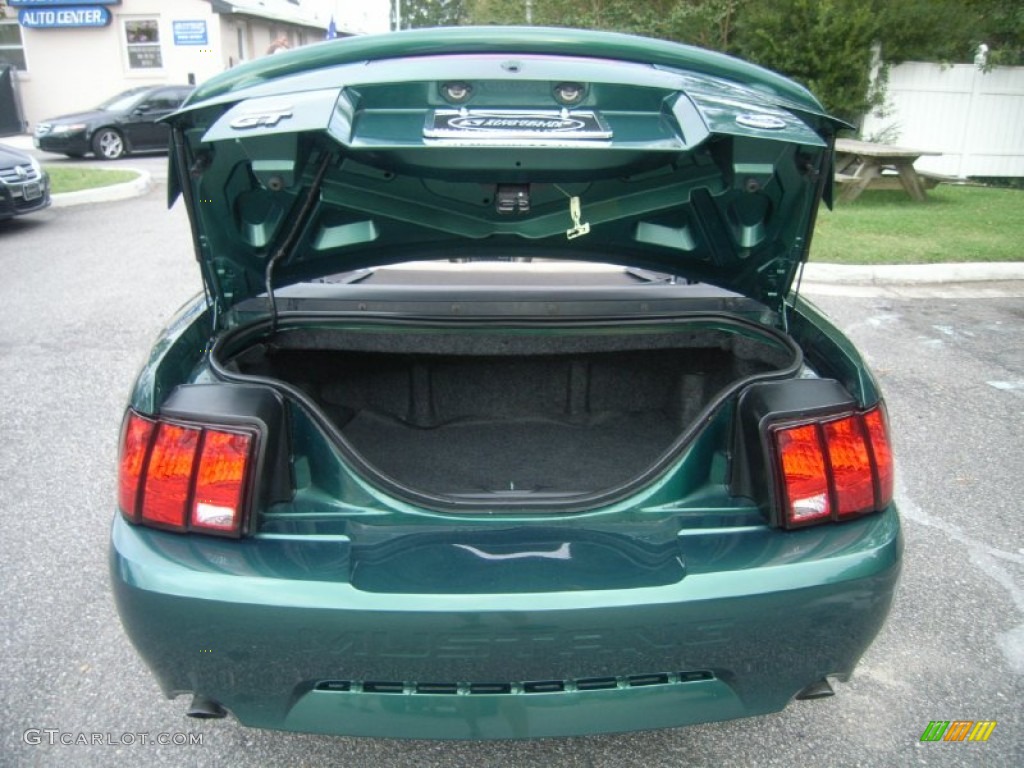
(761, 122)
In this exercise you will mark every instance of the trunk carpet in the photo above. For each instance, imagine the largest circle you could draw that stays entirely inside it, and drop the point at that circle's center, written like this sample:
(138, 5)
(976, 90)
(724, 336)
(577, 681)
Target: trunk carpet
(475, 456)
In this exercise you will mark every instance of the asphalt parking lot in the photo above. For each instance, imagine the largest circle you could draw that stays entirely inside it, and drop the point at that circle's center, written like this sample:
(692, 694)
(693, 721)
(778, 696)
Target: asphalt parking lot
(84, 292)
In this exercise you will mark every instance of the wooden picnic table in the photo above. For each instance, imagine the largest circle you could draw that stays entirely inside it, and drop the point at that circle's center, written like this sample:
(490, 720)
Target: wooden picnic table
(859, 165)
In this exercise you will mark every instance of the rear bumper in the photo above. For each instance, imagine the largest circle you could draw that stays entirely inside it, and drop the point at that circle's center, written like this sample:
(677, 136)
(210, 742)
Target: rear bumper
(234, 622)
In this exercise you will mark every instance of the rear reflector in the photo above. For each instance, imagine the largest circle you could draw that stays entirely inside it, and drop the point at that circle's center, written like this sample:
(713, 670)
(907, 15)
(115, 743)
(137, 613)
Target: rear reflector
(833, 469)
(184, 476)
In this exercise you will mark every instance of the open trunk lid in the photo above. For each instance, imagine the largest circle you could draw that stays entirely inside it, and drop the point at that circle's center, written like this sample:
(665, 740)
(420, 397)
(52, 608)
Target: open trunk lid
(497, 143)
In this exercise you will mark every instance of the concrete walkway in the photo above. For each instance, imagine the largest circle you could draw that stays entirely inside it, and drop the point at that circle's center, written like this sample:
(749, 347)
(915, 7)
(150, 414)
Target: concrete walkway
(974, 279)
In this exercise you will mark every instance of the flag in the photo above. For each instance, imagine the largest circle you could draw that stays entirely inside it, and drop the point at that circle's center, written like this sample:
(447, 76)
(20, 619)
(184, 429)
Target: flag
(332, 30)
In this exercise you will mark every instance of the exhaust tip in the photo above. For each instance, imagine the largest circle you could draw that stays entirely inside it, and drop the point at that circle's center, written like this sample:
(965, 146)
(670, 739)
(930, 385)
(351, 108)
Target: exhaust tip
(203, 708)
(819, 689)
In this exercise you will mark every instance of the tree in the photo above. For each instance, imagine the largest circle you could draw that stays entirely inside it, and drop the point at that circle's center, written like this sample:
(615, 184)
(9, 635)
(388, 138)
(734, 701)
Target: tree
(828, 45)
(951, 30)
(702, 22)
(1000, 25)
(823, 44)
(432, 13)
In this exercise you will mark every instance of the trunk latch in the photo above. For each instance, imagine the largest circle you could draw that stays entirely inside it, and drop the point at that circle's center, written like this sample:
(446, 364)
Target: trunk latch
(512, 198)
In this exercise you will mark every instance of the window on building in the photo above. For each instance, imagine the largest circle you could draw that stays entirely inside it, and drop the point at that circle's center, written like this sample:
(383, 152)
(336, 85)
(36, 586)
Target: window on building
(12, 51)
(142, 41)
(242, 31)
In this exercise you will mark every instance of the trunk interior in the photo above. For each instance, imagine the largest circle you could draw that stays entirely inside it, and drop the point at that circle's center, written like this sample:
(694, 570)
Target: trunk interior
(560, 412)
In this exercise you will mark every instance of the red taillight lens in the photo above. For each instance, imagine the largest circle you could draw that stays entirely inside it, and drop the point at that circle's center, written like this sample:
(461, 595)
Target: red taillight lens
(805, 483)
(834, 469)
(184, 477)
(221, 481)
(851, 466)
(169, 475)
(136, 433)
(881, 450)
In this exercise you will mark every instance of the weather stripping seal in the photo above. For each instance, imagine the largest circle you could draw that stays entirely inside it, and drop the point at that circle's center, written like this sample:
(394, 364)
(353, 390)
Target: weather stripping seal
(521, 504)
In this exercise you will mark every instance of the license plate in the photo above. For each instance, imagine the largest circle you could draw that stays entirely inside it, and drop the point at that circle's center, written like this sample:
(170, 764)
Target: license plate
(31, 191)
(499, 125)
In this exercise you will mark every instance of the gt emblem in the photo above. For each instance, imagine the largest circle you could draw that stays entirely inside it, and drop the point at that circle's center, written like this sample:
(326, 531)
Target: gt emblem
(268, 119)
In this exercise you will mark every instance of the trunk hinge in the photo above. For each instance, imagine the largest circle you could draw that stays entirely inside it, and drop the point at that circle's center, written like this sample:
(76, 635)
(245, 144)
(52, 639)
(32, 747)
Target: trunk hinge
(821, 175)
(185, 173)
(793, 296)
(298, 224)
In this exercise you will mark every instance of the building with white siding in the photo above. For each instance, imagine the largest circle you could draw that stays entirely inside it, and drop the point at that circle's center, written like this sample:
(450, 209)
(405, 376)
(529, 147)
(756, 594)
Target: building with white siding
(70, 55)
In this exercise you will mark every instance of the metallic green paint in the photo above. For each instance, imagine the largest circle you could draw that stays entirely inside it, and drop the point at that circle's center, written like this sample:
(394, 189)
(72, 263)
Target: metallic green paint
(257, 624)
(178, 349)
(348, 610)
(537, 715)
(344, 582)
(831, 353)
(508, 41)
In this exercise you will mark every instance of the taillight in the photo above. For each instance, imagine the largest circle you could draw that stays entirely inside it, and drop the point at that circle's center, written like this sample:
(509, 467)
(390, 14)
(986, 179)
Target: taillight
(220, 481)
(165, 491)
(850, 462)
(833, 468)
(881, 451)
(136, 436)
(183, 477)
(805, 481)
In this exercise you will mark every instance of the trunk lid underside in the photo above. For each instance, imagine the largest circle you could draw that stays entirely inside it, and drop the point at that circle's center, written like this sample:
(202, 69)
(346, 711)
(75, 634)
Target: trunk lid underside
(353, 157)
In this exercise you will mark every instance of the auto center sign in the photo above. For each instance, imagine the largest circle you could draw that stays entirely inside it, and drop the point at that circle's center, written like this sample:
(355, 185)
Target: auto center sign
(51, 14)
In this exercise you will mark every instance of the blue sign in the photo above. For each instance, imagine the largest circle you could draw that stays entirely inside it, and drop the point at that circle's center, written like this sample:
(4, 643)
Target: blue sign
(63, 16)
(190, 32)
(52, 3)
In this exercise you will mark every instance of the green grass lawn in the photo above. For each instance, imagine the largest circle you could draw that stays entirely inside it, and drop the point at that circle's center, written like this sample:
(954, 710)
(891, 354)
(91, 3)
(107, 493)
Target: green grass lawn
(955, 223)
(65, 179)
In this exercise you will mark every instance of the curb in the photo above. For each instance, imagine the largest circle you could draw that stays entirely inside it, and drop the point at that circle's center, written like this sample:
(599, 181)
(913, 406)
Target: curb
(816, 273)
(134, 188)
(138, 186)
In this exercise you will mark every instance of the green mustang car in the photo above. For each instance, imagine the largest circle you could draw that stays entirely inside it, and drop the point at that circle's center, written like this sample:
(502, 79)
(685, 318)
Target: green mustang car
(500, 414)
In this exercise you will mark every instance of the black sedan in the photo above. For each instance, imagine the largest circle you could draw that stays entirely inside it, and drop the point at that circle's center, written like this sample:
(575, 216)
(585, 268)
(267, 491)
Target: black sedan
(128, 122)
(24, 185)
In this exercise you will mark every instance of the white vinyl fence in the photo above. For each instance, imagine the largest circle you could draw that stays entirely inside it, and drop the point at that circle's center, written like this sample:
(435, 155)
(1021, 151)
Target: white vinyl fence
(974, 118)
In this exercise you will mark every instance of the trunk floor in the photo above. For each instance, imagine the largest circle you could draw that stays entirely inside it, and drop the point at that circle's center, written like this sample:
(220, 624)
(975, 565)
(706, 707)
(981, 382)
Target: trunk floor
(520, 455)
